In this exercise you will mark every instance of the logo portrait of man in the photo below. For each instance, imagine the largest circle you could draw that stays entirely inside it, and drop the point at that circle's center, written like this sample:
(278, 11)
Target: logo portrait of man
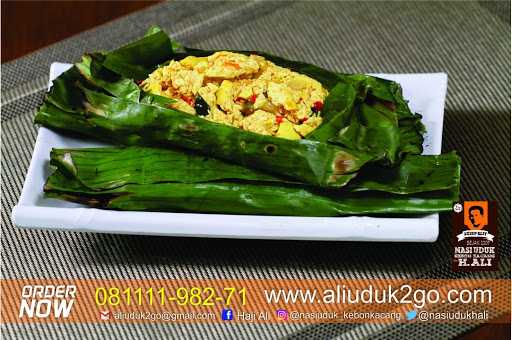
(475, 214)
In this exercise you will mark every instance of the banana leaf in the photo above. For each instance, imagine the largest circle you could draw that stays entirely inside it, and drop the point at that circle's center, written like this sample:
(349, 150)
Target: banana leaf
(107, 168)
(139, 58)
(62, 94)
(367, 88)
(374, 129)
(93, 72)
(368, 145)
(246, 198)
(76, 180)
(337, 108)
(345, 91)
(416, 173)
(111, 167)
(122, 88)
(123, 121)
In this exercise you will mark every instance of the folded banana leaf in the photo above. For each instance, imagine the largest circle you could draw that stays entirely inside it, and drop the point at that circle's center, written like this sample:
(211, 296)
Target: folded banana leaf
(245, 198)
(375, 130)
(414, 175)
(346, 91)
(369, 145)
(107, 168)
(139, 58)
(342, 117)
(122, 121)
(169, 180)
(121, 87)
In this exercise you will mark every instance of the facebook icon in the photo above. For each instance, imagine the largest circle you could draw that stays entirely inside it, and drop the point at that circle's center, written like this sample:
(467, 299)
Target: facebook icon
(227, 314)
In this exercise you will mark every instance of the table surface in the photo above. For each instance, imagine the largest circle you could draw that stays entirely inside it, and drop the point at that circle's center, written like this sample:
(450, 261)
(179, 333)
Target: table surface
(470, 41)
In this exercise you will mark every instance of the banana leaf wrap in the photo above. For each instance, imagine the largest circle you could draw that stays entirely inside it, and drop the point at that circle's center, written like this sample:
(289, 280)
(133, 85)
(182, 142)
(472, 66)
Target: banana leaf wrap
(170, 180)
(96, 88)
(365, 157)
(389, 136)
(123, 121)
(111, 167)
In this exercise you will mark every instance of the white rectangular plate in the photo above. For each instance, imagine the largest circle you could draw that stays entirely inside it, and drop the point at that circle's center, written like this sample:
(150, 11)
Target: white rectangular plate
(426, 95)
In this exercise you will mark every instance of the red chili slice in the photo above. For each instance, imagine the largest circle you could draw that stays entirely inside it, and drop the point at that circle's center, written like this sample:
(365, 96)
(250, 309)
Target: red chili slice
(279, 119)
(188, 100)
(317, 106)
(253, 99)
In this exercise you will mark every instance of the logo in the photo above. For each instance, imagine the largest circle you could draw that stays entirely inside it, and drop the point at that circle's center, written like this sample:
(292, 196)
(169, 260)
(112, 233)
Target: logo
(411, 315)
(105, 315)
(476, 214)
(227, 314)
(282, 314)
(45, 301)
(475, 230)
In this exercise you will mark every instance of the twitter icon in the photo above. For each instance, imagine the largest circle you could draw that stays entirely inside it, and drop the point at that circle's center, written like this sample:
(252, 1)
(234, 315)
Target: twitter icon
(410, 315)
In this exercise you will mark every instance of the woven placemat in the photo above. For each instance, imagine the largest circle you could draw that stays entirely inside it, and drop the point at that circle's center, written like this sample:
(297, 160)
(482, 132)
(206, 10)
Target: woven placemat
(468, 40)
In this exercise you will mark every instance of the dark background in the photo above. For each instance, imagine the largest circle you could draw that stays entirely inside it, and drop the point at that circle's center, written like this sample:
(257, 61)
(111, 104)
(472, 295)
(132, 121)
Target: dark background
(31, 25)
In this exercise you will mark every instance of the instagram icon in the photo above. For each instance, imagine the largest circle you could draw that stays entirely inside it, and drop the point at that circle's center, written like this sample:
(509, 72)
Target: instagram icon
(282, 314)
